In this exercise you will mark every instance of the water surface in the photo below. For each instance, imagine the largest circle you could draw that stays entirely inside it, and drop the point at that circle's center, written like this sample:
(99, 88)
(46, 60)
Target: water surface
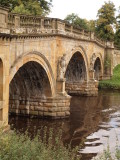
(94, 123)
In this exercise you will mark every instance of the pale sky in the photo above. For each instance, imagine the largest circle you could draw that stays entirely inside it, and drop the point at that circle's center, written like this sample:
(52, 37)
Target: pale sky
(84, 8)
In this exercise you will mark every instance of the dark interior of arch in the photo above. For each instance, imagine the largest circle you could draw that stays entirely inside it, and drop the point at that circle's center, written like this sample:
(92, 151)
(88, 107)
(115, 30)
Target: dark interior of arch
(31, 81)
(76, 69)
(97, 68)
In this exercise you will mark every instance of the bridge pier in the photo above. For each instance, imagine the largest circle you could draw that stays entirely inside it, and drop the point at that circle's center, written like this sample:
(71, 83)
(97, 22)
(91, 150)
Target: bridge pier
(85, 88)
(57, 107)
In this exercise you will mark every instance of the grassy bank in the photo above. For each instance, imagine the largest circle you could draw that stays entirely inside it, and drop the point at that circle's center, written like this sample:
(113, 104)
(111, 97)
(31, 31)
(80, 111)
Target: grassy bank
(114, 82)
(16, 146)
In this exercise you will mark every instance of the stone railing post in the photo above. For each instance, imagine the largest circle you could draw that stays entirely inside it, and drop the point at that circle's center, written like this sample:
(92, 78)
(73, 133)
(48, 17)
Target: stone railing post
(3, 17)
(17, 21)
(92, 35)
(71, 29)
(60, 26)
(42, 23)
(53, 24)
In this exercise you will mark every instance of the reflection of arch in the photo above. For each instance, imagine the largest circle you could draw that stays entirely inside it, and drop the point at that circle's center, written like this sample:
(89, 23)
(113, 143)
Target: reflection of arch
(98, 66)
(81, 51)
(1, 80)
(35, 57)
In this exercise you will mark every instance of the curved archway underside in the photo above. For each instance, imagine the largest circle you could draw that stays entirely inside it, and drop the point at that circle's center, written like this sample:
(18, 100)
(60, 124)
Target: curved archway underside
(76, 69)
(30, 81)
(76, 77)
(98, 69)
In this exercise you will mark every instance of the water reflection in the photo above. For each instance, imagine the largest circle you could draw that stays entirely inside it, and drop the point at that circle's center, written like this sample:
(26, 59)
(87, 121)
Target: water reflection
(94, 122)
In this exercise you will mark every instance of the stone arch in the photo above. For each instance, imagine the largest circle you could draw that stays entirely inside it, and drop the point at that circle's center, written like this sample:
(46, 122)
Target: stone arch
(80, 51)
(38, 58)
(1, 89)
(98, 66)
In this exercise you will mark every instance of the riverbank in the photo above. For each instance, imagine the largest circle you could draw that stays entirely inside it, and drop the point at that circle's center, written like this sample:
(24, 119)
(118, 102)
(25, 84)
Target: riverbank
(114, 82)
(14, 145)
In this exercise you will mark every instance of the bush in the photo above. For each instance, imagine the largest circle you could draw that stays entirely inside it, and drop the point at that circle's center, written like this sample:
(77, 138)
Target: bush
(16, 146)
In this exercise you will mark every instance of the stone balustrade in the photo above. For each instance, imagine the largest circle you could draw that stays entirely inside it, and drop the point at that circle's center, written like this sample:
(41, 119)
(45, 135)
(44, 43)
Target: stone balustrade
(27, 24)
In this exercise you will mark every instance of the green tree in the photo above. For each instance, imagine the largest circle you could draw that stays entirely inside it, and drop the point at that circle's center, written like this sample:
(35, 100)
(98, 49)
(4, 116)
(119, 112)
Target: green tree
(92, 25)
(105, 22)
(35, 7)
(75, 20)
(117, 34)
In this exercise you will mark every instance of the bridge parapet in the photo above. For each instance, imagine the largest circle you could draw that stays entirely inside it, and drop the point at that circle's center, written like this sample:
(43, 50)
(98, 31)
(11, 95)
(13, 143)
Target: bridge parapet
(36, 25)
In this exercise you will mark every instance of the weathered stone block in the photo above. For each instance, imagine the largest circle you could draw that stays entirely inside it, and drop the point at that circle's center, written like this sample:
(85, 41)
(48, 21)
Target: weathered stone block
(60, 114)
(33, 113)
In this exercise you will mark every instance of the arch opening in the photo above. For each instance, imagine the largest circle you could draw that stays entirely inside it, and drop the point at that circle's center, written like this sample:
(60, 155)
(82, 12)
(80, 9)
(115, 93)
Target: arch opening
(76, 69)
(97, 69)
(29, 85)
(1, 89)
(76, 75)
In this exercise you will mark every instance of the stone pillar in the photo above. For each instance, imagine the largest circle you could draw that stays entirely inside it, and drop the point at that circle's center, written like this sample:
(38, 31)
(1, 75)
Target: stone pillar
(60, 26)
(108, 60)
(61, 86)
(42, 23)
(17, 21)
(4, 20)
(3, 17)
(92, 75)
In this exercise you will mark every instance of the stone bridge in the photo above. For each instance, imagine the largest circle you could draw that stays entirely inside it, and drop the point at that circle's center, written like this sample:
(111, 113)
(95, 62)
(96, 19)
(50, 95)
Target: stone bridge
(42, 60)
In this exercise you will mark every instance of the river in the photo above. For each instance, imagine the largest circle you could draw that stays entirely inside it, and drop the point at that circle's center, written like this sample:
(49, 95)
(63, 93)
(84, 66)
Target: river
(94, 123)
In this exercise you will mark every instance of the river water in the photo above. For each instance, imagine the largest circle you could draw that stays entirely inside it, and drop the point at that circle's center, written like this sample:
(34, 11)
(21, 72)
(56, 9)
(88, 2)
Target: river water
(93, 124)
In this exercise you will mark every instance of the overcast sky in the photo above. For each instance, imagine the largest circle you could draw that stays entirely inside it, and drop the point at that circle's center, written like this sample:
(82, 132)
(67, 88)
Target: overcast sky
(84, 8)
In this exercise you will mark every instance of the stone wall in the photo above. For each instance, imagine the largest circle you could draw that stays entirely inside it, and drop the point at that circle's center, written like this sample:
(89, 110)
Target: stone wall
(82, 88)
(50, 107)
(116, 57)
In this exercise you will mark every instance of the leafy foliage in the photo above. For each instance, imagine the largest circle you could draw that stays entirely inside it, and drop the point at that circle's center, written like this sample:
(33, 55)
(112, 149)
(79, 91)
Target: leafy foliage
(75, 20)
(35, 7)
(16, 146)
(117, 34)
(105, 22)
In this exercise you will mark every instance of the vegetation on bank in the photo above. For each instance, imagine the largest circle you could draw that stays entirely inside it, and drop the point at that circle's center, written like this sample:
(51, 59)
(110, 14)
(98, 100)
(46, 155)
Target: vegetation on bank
(114, 82)
(16, 146)
(108, 155)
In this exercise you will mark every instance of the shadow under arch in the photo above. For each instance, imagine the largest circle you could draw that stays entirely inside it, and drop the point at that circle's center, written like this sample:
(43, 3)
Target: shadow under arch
(38, 58)
(76, 70)
(81, 52)
(98, 67)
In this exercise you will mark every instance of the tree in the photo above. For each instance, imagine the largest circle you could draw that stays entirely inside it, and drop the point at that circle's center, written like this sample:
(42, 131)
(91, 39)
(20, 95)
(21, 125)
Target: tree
(75, 20)
(35, 7)
(117, 34)
(92, 25)
(105, 22)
